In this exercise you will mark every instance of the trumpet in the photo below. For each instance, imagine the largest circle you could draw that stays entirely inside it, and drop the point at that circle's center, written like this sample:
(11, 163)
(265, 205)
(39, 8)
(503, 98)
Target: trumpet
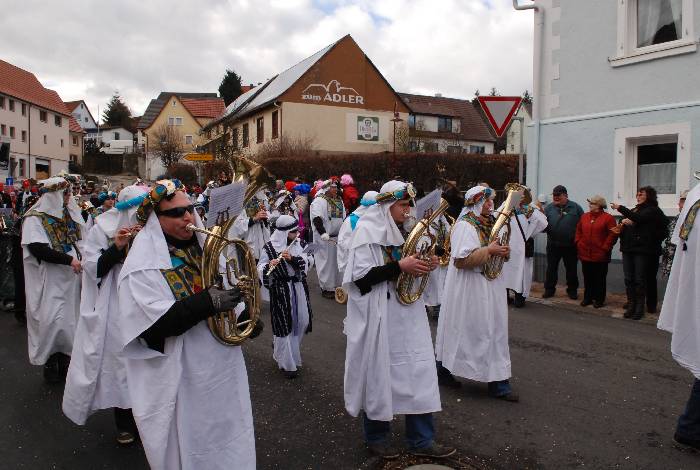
(279, 258)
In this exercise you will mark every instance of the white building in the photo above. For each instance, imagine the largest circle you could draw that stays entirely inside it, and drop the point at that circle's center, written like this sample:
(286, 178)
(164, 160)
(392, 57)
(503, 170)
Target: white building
(80, 111)
(520, 122)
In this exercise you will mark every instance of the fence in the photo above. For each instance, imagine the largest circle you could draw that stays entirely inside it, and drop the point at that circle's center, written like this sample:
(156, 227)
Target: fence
(105, 164)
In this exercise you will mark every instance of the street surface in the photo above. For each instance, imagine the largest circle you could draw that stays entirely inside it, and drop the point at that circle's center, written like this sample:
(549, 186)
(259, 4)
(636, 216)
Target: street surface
(596, 392)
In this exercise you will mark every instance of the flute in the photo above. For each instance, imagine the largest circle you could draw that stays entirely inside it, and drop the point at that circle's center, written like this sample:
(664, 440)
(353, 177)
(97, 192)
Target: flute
(279, 258)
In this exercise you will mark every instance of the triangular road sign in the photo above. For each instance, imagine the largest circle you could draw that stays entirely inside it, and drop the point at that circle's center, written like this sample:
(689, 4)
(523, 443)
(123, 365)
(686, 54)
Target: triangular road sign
(499, 110)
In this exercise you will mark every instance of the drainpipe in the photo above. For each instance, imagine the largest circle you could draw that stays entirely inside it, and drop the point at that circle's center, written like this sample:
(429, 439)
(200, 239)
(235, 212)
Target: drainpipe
(534, 151)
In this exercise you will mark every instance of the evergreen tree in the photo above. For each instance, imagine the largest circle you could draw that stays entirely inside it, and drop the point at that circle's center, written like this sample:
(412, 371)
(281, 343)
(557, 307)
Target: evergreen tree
(117, 113)
(527, 97)
(493, 92)
(230, 87)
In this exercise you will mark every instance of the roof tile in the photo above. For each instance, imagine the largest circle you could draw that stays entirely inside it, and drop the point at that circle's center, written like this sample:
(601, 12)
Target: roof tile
(23, 85)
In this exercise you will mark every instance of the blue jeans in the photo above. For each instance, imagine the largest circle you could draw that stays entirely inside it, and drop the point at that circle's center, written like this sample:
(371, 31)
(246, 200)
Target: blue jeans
(500, 388)
(689, 421)
(420, 430)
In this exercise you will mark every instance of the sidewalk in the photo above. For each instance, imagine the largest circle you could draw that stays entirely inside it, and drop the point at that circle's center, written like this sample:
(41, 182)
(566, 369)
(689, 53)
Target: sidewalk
(612, 307)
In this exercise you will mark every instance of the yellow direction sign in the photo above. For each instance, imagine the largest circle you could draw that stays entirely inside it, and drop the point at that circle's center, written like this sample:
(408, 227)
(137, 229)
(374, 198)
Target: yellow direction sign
(199, 157)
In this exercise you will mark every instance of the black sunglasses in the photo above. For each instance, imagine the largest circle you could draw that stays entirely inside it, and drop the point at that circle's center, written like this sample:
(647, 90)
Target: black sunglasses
(177, 212)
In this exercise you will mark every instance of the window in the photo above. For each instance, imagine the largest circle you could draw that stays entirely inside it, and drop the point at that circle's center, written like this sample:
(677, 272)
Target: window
(188, 139)
(116, 136)
(178, 121)
(174, 103)
(650, 29)
(3, 129)
(22, 167)
(454, 149)
(86, 119)
(413, 146)
(234, 138)
(12, 105)
(430, 147)
(82, 106)
(275, 124)
(45, 140)
(412, 121)
(75, 141)
(12, 132)
(444, 124)
(2, 102)
(42, 169)
(57, 121)
(24, 136)
(477, 149)
(656, 156)
(171, 121)
(245, 135)
(43, 116)
(61, 143)
(24, 109)
(260, 129)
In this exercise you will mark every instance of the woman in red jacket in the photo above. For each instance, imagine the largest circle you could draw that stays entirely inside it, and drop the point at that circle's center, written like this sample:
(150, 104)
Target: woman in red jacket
(595, 238)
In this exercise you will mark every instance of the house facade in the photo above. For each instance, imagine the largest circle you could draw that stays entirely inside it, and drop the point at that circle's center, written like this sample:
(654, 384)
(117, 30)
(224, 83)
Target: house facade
(440, 124)
(518, 126)
(336, 101)
(76, 137)
(35, 123)
(80, 111)
(185, 114)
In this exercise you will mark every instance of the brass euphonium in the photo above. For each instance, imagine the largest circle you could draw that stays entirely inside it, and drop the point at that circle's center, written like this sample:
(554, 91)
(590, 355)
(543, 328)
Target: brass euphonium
(517, 193)
(233, 258)
(446, 245)
(405, 285)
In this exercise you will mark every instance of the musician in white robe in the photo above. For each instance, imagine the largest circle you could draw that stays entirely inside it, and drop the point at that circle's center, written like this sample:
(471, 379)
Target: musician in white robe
(679, 313)
(517, 271)
(327, 215)
(252, 225)
(389, 366)
(282, 268)
(283, 205)
(96, 377)
(348, 228)
(52, 234)
(189, 393)
(472, 332)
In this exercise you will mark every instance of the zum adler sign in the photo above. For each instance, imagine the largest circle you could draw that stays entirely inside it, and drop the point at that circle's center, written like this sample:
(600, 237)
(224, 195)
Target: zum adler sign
(331, 93)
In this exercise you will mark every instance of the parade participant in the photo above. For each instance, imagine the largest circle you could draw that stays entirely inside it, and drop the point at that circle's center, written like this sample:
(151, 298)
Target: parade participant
(528, 221)
(96, 377)
(282, 268)
(388, 364)
(679, 313)
(283, 205)
(201, 211)
(51, 238)
(351, 197)
(348, 228)
(189, 392)
(669, 250)
(301, 200)
(432, 296)
(327, 214)
(107, 200)
(472, 333)
(252, 225)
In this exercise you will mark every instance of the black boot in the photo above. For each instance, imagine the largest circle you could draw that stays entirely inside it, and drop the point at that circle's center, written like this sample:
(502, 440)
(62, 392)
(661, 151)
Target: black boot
(629, 305)
(639, 304)
(445, 377)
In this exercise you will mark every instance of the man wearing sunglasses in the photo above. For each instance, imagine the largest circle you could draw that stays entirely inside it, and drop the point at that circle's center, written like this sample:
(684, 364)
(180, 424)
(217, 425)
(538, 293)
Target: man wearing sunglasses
(178, 374)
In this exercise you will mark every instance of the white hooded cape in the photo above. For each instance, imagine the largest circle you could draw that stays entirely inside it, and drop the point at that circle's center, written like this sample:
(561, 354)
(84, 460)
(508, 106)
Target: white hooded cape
(191, 403)
(53, 290)
(389, 362)
(96, 377)
(326, 257)
(517, 271)
(679, 313)
(346, 231)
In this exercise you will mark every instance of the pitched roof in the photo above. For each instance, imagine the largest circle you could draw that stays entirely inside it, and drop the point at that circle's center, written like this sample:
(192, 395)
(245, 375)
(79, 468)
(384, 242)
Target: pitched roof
(205, 108)
(23, 85)
(155, 106)
(71, 105)
(73, 126)
(472, 128)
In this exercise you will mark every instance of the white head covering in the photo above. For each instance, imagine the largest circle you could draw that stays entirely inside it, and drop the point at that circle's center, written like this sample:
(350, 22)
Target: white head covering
(377, 225)
(51, 202)
(368, 200)
(118, 216)
(475, 199)
(325, 186)
(691, 198)
(283, 225)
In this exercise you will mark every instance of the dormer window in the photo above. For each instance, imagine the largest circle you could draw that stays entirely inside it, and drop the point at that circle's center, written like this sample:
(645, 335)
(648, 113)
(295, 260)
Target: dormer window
(444, 124)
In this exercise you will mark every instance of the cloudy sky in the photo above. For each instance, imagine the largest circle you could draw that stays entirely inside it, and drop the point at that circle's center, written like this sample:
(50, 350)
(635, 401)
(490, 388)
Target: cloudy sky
(87, 49)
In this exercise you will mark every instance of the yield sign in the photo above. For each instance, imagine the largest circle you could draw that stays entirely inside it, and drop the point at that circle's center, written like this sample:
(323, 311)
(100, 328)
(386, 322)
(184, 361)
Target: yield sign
(500, 110)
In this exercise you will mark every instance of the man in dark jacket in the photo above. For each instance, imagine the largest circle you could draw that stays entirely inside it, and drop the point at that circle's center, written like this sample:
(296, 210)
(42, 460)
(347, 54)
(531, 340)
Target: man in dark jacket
(562, 217)
(643, 229)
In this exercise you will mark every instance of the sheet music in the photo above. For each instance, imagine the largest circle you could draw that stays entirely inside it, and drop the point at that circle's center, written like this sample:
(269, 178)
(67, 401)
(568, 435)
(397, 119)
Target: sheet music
(429, 203)
(225, 203)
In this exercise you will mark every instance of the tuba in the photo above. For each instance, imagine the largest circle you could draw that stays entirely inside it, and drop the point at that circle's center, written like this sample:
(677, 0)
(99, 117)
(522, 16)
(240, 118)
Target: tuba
(446, 245)
(517, 193)
(405, 285)
(239, 267)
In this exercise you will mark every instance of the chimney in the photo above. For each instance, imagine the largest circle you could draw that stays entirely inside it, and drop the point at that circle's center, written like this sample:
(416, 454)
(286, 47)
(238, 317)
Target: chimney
(252, 85)
(438, 95)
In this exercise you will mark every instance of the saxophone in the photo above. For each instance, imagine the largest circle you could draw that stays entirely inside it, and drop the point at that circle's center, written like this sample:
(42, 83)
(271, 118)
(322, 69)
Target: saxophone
(405, 285)
(517, 193)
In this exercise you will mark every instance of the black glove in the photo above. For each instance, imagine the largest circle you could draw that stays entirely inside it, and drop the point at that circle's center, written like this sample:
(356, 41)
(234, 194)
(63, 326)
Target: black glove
(224, 300)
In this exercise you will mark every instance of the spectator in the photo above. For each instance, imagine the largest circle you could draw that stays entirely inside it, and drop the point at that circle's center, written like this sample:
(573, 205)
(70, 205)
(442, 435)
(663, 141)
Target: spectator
(351, 197)
(562, 218)
(669, 246)
(595, 238)
(642, 231)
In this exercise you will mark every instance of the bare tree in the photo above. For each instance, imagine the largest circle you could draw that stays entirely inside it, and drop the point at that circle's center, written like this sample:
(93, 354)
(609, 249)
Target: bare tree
(168, 145)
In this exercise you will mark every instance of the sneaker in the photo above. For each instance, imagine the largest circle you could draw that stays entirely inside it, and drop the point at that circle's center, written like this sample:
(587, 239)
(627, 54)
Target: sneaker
(573, 295)
(448, 380)
(436, 451)
(125, 438)
(511, 397)
(383, 450)
(686, 444)
(547, 294)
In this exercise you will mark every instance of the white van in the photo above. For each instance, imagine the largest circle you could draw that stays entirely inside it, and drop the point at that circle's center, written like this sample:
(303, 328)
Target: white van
(117, 147)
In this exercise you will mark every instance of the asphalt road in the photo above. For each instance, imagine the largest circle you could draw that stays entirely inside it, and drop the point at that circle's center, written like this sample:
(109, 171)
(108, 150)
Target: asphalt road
(595, 392)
